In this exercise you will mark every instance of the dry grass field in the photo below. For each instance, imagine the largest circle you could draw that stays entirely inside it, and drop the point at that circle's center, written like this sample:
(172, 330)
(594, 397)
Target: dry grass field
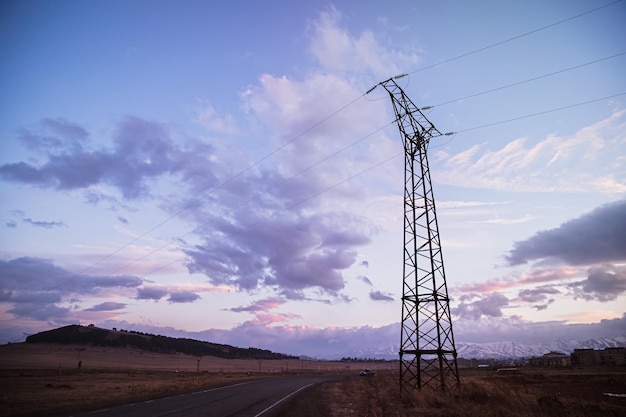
(532, 393)
(38, 379)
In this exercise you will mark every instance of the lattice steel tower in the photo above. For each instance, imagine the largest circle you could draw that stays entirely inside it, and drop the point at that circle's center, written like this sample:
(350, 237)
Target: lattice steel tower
(427, 352)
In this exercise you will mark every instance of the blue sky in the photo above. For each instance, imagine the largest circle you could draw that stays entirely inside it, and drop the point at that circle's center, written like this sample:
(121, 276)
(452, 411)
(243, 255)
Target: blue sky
(218, 172)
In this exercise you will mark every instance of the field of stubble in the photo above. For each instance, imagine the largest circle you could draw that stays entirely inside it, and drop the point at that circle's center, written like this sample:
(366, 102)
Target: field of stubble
(43, 379)
(40, 380)
(531, 392)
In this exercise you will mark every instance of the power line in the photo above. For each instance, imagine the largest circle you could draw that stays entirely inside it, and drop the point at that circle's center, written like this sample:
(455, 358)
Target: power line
(536, 114)
(430, 107)
(493, 45)
(276, 150)
(222, 184)
(202, 197)
(368, 169)
(226, 211)
(350, 178)
(243, 204)
(186, 207)
(330, 156)
(524, 81)
(296, 204)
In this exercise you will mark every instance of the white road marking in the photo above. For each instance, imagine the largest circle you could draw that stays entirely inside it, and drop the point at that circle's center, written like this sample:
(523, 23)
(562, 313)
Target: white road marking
(281, 400)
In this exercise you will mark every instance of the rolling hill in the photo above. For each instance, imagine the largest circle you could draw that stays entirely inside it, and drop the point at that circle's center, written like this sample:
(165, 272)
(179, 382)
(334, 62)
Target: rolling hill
(95, 336)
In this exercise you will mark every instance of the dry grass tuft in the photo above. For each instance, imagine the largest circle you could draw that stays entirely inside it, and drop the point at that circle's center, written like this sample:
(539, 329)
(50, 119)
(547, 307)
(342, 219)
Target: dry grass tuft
(485, 395)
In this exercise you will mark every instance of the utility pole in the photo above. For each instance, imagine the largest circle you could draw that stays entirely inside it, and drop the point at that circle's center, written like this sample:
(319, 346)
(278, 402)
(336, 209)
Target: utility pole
(427, 351)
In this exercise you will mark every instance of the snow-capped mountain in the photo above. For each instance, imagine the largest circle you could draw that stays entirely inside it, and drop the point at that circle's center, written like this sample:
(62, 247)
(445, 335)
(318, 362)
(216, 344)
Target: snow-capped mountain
(500, 350)
(520, 350)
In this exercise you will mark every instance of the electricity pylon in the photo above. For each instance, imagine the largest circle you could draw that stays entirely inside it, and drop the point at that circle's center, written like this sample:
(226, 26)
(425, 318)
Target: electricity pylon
(427, 352)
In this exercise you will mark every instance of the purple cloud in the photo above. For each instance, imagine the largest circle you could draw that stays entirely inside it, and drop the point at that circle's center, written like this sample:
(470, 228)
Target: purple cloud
(107, 306)
(596, 237)
(65, 129)
(291, 252)
(39, 311)
(141, 150)
(365, 280)
(44, 224)
(379, 296)
(490, 305)
(603, 283)
(260, 305)
(541, 307)
(183, 297)
(36, 286)
(150, 293)
(55, 135)
(537, 295)
(275, 242)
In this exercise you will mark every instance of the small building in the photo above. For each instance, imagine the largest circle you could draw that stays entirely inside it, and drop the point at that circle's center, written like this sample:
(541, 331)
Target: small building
(552, 360)
(585, 357)
(612, 356)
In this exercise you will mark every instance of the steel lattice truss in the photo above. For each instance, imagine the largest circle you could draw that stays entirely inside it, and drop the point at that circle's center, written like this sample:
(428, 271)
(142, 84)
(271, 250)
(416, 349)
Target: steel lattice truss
(427, 351)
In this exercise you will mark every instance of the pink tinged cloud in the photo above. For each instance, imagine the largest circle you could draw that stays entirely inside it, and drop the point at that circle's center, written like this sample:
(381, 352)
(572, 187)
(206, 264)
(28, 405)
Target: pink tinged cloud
(491, 285)
(534, 277)
(550, 275)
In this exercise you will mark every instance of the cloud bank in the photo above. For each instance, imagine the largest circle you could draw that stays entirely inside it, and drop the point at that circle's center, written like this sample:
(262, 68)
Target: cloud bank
(38, 289)
(596, 237)
(288, 226)
(140, 150)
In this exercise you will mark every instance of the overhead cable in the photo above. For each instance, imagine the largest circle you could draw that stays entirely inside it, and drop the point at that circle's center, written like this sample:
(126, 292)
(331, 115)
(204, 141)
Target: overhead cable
(493, 45)
(523, 82)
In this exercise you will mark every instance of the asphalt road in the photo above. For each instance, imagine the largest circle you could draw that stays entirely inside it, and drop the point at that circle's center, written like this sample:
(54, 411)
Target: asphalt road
(248, 399)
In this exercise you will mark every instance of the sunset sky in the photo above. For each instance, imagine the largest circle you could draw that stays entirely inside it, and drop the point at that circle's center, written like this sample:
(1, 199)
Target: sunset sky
(215, 170)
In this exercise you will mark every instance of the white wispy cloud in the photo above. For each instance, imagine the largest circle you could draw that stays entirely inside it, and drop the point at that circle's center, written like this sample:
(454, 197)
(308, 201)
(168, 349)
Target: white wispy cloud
(583, 162)
(337, 50)
(524, 219)
(208, 117)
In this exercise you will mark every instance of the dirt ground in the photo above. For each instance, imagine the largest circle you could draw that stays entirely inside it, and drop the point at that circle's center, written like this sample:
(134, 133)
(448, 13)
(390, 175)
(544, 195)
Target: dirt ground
(532, 392)
(39, 392)
(69, 358)
(38, 380)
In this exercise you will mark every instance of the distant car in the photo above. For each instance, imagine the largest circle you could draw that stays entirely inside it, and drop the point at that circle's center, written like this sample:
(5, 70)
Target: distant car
(367, 372)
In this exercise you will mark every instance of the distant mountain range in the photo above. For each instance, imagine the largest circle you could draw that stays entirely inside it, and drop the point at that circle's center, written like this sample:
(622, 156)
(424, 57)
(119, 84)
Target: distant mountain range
(91, 335)
(501, 350)
(520, 350)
